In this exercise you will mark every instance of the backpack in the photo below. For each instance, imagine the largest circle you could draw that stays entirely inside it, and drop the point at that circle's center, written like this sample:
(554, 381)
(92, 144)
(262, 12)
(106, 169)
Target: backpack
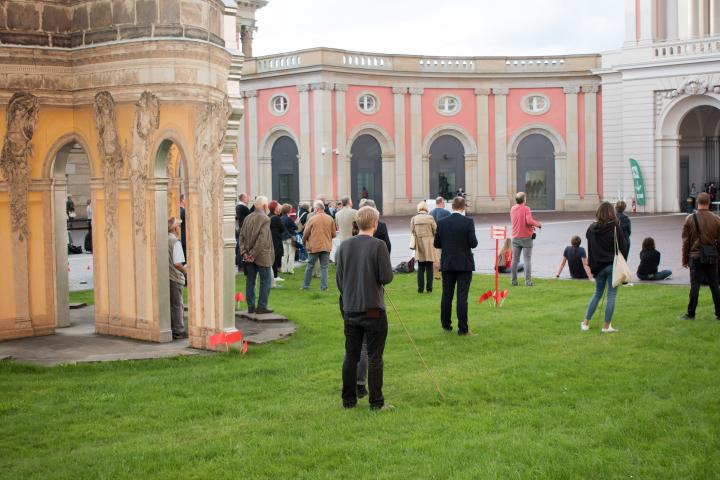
(298, 222)
(405, 267)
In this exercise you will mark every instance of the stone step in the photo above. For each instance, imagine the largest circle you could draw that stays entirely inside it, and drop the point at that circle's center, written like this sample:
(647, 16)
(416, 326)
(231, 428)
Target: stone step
(261, 318)
(76, 306)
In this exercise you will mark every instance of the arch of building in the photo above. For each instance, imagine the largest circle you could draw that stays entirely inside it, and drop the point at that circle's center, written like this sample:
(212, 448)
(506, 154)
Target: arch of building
(387, 147)
(472, 178)
(562, 201)
(669, 143)
(265, 170)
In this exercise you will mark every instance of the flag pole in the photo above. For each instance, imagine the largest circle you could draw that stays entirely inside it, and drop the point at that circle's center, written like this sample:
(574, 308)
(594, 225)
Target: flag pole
(412, 342)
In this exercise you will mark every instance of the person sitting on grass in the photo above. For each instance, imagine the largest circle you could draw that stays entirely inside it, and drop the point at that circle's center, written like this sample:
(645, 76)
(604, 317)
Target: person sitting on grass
(505, 258)
(649, 263)
(576, 259)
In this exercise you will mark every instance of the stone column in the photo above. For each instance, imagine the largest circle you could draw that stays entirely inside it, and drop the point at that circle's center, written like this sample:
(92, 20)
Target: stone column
(630, 23)
(62, 287)
(304, 147)
(158, 188)
(401, 194)
(482, 179)
(571, 126)
(264, 169)
(647, 21)
(241, 157)
(420, 171)
(343, 166)
(694, 17)
(252, 119)
(683, 19)
(322, 130)
(667, 154)
(591, 143)
(714, 18)
(388, 183)
(504, 184)
(704, 18)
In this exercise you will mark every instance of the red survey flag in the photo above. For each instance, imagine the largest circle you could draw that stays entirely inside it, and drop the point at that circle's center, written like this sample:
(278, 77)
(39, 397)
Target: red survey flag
(217, 339)
(486, 296)
(239, 297)
(233, 338)
(244, 348)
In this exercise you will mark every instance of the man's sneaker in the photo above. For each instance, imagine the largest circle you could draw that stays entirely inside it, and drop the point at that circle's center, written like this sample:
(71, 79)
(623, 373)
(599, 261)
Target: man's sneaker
(609, 329)
(584, 327)
(385, 408)
(262, 311)
(528, 284)
(467, 334)
(685, 317)
(279, 279)
(361, 391)
(251, 309)
(514, 284)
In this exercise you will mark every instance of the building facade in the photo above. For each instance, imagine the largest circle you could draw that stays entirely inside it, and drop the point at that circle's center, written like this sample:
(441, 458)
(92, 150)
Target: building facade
(399, 128)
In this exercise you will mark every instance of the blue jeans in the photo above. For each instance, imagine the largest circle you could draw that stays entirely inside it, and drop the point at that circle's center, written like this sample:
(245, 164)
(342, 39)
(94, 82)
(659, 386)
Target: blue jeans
(265, 273)
(324, 260)
(302, 253)
(661, 275)
(603, 277)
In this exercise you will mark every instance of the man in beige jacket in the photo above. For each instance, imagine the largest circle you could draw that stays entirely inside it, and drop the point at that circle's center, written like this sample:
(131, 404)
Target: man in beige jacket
(258, 254)
(344, 219)
(317, 238)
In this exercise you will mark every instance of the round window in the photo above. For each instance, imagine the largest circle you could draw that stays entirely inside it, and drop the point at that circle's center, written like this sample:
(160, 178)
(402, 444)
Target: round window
(279, 104)
(368, 103)
(448, 105)
(535, 104)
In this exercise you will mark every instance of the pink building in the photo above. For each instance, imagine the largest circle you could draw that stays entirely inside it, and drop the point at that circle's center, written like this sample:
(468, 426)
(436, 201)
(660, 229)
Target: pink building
(405, 128)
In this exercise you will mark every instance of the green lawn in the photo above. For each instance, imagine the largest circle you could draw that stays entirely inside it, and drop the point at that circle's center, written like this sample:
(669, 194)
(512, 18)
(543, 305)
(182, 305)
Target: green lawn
(531, 397)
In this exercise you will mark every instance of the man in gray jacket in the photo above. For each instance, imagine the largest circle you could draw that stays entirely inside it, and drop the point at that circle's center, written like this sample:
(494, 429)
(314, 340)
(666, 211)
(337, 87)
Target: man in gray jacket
(178, 270)
(363, 268)
(258, 254)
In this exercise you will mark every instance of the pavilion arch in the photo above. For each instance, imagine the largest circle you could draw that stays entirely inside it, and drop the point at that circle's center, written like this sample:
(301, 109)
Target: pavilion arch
(53, 169)
(384, 201)
(162, 144)
(470, 157)
(667, 149)
(265, 183)
(560, 157)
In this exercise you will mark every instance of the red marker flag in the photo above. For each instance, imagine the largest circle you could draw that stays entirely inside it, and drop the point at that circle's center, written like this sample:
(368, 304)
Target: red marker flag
(244, 347)
(233, 338)
(217, 339)
(239, 297)
(485, 296)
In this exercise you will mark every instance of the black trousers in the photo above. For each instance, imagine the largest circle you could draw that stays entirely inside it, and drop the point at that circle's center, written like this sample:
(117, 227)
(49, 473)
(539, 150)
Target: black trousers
(450, 280)
(700, 273)
(425, 270)
(375, 331)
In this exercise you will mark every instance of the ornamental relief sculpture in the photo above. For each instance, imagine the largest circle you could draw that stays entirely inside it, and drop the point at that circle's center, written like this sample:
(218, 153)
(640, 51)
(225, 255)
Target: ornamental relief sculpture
(147, 121)
(112, 157)
(210, 129)
(21, 120)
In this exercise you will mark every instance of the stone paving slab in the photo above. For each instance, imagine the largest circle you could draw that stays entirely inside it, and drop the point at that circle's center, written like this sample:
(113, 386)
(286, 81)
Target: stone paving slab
(263, 332)
(263, 318)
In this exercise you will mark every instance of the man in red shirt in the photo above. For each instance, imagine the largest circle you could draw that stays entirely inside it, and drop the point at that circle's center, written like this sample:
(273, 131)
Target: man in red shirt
(523, 232)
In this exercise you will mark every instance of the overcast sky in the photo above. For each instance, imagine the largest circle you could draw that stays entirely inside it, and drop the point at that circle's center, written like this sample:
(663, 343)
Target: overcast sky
(442, 27)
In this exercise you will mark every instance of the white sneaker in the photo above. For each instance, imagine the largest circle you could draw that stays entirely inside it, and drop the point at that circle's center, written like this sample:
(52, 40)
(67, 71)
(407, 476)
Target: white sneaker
(584, 327)
(609, 329)
(279, 279)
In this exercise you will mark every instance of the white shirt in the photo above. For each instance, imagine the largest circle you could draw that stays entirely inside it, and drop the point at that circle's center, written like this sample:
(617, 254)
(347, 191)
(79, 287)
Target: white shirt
(178, 255)
(88, 212)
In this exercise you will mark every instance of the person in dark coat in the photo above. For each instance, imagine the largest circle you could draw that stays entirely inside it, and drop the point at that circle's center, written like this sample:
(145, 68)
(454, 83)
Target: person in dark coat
(456, 237)
(649, 263)
(241, 212)
(277, 231)
(382, 231)
(625, 224)
(601, 237)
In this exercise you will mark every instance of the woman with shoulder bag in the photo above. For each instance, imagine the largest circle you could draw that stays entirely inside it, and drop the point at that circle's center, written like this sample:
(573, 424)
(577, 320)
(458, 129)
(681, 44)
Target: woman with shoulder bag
(422, 235)
(605, 242)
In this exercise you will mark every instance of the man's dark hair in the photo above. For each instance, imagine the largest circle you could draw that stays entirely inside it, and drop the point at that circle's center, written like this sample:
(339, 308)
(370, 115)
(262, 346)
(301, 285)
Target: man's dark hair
(648, 244)
(620, 206)
(575, 241)
(458, 204)
(703, 199)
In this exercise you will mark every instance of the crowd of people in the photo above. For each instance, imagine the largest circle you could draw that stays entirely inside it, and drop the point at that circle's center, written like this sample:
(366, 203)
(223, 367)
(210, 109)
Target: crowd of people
(272, 237)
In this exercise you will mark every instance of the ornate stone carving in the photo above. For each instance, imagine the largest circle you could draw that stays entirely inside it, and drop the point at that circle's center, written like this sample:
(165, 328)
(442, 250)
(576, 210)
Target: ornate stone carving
(21, 119)
(694, 87)
(210, 129)
(112, 157)
(147, 121)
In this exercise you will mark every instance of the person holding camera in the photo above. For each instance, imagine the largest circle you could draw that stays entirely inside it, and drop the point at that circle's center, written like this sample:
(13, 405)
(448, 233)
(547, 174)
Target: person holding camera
(700, 235)
(523, 234)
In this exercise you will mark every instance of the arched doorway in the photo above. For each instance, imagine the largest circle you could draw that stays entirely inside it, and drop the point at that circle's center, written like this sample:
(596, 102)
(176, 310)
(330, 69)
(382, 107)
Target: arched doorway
(447, 167)
(536, 171)
(366, 170)
(285, 171)
(699, 152)
(72, 224)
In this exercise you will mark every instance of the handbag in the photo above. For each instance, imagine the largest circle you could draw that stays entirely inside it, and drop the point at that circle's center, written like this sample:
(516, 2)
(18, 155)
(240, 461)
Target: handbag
(413, 241)
(621, 271)
(708, 253)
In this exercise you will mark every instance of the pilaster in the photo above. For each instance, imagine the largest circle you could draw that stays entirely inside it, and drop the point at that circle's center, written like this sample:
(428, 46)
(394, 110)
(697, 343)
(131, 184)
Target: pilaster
(322, 132)
(343, 170)
(420, 173)
(252, 119)
(591, 144)
(571, 126)
(401, 156)
(482, 173)
(304, 160)
(503, 182)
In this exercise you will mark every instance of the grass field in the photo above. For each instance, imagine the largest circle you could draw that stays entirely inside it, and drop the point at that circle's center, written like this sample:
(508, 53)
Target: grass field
(530, 397)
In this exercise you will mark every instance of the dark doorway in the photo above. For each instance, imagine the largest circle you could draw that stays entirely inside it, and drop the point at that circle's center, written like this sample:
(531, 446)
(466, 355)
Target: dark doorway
(447, 167)
(536, 171)
(366, 170)
(285, 173)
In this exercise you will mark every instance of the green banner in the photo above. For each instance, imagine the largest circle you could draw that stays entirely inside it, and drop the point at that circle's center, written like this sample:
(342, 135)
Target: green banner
(638, 183)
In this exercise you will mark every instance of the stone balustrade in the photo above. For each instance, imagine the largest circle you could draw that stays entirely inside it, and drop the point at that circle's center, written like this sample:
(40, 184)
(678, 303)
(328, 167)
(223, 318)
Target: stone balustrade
(326, 57)
(683, 48)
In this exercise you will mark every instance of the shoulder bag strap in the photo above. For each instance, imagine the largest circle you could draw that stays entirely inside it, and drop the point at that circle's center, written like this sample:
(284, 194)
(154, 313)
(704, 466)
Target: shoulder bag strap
(697, 226)
(617, 248)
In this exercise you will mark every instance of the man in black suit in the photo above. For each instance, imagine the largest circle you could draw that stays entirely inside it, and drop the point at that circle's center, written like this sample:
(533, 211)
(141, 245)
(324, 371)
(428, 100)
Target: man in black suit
(241, 211)
(456, 237)
(381, 233)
